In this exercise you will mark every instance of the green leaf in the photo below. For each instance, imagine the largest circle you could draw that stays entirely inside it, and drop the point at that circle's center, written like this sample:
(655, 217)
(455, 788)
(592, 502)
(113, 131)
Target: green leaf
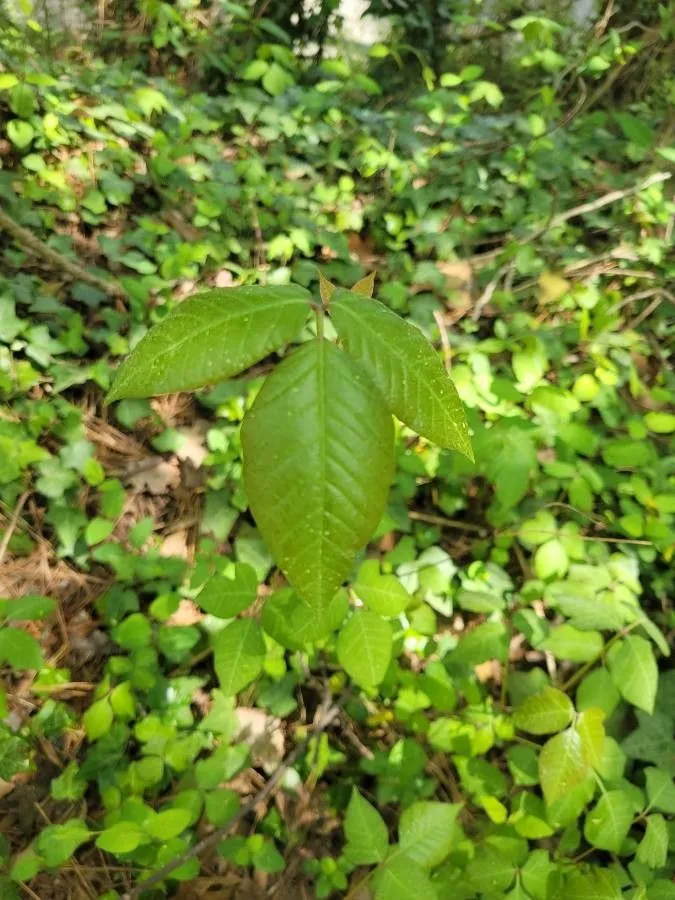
(26, 865)
(20, 133)
(19, 650)
(221, 766)
(28, 608)
(318, 461)
(22, 101)
(612, 760)
(98, 530)
(123, 837)
(508, 455)
(608, 823)
(634, 671)
(276, 80)
(660, 790)
(568, 642)
(405, 367)
(600, 884)
(543, 713)
(427, 831)
(239, 653)
(660, 422)
(15, 754)
(210, 337)
(150, 100)
(255, 70)
(268, 859)
(529, 364)
(652, 741)
(487, 641)
(366, 832)
(227, 597)
(598, 690)
(384, 594)
(98, 719)
(661, 888)
(294, 623)
(561, 765)
(399, 878)
(653, 848)
(364, 647)
(551, 560)
(220, 805)
(490, 872)
(536, 874)
(528, 817)
(540, 529)
(591, 730)
(624, 453)
(57, 843)
(168, 823)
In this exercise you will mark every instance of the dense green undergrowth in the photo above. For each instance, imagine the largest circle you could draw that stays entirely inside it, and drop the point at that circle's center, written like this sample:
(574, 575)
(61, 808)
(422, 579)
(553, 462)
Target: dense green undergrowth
(512, 733)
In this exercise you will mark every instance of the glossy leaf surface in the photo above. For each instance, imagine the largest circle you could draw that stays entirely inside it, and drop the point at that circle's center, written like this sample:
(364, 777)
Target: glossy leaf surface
(318, 460)
(543, 713)
(239, 651)
(405, 367)
(210, 337)
(366, 832)
(364, 647)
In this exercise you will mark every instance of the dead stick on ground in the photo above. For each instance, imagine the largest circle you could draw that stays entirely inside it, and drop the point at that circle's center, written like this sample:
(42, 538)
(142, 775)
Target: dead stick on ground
(11, 527)
(28, 241)
(445, 343)
(598, 203)
(560, 219)
(487, 294)
(323, 720)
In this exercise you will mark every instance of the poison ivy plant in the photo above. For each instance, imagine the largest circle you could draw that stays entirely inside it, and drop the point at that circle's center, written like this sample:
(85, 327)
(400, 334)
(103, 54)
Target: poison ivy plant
(319, 439)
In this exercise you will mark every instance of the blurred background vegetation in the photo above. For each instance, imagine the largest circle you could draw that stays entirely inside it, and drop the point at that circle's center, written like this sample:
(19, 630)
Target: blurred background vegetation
(505, 168)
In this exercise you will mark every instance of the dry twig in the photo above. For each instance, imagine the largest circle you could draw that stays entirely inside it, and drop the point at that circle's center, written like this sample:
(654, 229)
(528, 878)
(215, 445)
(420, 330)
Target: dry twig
(323, 720)
(28, 241)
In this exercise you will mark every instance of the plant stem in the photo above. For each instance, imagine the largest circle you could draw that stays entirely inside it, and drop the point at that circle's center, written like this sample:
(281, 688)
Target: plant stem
(579, 674)
(319, 322)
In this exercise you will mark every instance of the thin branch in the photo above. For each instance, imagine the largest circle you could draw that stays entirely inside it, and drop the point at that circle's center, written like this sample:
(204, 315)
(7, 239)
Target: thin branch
(598, 203)
(323, 720)
(27, 240)
(646, 312)
(481, 259)
(11, 527)
(642, 295)
(445, 343)
(488, 293)
(444, 522)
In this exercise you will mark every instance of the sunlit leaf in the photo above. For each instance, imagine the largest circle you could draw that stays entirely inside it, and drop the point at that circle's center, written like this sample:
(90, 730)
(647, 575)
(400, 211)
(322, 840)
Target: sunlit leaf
(210, 337)
(405, 367)
(318, 461)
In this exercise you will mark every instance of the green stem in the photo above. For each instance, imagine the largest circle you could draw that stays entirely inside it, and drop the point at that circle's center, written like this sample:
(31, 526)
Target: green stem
(579, 674)
(319, 323)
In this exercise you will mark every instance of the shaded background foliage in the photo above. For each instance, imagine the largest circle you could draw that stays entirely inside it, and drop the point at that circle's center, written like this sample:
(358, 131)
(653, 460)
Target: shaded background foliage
(505, 172)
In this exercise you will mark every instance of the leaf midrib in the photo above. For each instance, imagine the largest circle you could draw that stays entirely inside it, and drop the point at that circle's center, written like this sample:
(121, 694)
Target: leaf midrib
(229, 317)
(323, 459)
(401, 356)
(240, 649)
